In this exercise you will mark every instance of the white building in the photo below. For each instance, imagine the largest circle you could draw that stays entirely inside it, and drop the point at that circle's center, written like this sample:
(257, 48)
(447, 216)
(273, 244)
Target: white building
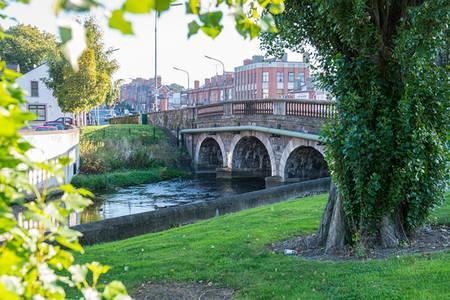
(39, 97)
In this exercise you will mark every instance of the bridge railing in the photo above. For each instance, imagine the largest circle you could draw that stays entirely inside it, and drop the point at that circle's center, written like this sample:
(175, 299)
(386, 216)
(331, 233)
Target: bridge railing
(284, 107)
(187, 117)
(252, 108)
(310, 109)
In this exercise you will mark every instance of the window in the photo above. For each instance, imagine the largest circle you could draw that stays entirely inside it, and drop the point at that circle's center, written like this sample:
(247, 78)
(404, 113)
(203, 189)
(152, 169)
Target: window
(34, 89)
(280, 77)
(265, 76)
(291, 76)
(265, 94)
(39, 111)
(301, 77)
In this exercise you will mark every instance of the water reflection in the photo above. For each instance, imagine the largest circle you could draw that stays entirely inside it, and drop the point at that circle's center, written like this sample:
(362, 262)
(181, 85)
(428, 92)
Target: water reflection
(168, 193)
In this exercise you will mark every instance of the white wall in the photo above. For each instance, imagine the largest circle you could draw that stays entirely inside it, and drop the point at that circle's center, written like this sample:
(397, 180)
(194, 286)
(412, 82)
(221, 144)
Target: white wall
(45, 97)
(50, 145)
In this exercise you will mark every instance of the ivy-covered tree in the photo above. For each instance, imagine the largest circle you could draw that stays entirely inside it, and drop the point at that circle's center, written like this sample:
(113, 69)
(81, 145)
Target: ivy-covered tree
(27, 46)
(386, 147)
(83, 89)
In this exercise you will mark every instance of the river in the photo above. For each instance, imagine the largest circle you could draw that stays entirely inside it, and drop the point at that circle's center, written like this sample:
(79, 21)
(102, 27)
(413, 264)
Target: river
(148, 197)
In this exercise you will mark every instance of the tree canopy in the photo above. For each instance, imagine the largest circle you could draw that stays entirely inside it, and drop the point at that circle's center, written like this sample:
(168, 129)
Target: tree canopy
(89, 86)
(27, 46)
(387, 145)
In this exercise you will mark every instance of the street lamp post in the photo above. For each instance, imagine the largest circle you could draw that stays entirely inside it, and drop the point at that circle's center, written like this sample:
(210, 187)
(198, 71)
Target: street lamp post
(223, 69)
(187, 73)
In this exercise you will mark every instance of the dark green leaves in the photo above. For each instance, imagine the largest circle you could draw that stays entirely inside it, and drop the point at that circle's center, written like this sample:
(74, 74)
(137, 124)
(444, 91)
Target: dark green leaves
(193, 28)
(65, 33)
(211, 23)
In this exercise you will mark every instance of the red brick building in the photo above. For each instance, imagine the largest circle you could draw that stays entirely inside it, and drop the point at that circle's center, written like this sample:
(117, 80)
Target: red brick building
(261, 78)
(215, 89)
(139, 93)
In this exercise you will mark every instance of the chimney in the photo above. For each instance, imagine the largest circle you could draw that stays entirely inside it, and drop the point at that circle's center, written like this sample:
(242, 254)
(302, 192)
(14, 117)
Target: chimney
(196, 84)
(247, 62)
(207, 81)
(284, 58)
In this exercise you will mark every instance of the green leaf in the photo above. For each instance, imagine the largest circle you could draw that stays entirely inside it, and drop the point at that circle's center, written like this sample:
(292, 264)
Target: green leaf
(193, 7)
(97, 269)
(162, 5)
(65, 33)
(114, 289)
(72, 245)
(193, 28)
(211, 21)
(276, 8)
(212, 31)
(117, 21)
(211, 18)
(138, 6)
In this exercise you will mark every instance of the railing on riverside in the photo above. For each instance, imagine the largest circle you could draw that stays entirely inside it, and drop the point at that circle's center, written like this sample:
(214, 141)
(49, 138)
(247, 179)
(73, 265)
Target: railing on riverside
(252, 108)
(300, 108)
(318, 109)
(310, 109)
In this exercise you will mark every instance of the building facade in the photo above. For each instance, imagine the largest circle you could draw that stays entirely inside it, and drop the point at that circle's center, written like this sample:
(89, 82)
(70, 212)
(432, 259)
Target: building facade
(140, 94)
(215, 89)
(260, 78)
(39, 97)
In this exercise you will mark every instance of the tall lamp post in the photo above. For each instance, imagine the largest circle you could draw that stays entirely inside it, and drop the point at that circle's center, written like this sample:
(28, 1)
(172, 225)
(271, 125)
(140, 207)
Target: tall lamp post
(156, 53)
(223, 69)
(187, 73)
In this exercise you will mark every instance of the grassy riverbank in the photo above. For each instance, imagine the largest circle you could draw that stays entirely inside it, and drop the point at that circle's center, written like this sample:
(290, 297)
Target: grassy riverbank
(232, 251)
(123, 155)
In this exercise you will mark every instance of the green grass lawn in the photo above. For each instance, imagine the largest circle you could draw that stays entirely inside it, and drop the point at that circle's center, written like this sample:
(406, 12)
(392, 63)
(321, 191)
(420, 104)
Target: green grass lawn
(232, 251)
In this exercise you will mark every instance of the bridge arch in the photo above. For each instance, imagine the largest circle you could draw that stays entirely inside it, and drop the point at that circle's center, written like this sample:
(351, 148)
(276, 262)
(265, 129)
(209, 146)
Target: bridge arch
(303, 160)
(252, 150)
(210, 152)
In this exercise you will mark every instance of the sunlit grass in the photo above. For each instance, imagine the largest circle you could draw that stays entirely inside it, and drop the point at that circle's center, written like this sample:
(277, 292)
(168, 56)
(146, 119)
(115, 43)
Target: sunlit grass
(232, 251)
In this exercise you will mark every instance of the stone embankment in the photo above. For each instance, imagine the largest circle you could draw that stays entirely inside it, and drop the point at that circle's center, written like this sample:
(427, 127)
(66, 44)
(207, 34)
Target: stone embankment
(153, 221)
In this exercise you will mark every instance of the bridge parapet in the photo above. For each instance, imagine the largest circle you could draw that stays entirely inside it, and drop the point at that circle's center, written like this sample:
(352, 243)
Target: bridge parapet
(303, 115)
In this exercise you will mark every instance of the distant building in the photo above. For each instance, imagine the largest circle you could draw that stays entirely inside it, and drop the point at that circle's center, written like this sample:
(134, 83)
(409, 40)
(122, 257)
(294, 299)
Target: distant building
(307, 91)
(215, 89)
(175, 100)
(39, 98)
(260, 78)
(139, 94)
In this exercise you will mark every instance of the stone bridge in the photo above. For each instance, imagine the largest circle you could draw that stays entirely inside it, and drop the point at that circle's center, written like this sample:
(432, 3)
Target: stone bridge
(274, 139)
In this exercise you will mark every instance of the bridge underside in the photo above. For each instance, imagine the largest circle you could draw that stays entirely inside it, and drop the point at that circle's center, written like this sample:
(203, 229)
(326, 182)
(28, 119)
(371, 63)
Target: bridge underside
(279, 156)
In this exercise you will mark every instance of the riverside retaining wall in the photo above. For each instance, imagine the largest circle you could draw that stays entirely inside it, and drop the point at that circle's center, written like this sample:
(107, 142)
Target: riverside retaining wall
(152, 221)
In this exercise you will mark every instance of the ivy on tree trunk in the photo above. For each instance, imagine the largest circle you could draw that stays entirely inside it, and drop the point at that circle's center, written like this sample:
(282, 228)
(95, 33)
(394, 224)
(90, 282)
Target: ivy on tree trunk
(386, 147)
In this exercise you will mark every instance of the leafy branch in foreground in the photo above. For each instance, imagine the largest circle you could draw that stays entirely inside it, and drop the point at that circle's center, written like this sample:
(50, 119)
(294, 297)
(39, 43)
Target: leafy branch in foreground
(38, 261)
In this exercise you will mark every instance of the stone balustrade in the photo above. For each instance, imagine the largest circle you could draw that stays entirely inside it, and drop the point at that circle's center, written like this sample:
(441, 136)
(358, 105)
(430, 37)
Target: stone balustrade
(303, 115)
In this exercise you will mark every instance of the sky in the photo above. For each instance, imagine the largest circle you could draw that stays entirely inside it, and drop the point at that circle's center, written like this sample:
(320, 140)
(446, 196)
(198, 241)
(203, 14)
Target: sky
(136, 53)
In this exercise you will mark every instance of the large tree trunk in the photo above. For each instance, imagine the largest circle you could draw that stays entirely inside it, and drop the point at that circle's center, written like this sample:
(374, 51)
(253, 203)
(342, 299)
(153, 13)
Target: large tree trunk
(391, 231)
(332, 234)
(332, 231)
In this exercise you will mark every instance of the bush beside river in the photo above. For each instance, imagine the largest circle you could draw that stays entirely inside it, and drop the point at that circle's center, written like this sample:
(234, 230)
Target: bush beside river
(123, 155)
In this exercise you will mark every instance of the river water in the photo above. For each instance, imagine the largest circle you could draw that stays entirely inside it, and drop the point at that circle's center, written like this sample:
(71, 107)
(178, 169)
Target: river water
(149, 197)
